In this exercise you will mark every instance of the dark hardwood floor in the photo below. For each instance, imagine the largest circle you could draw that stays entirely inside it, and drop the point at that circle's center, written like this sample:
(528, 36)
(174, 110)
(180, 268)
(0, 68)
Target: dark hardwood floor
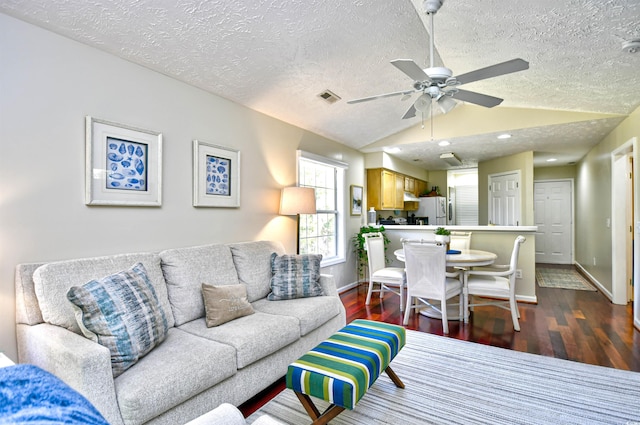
(581, 326)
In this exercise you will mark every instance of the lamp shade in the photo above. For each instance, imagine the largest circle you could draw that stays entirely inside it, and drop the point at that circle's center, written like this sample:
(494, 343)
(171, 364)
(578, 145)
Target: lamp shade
(297, 200)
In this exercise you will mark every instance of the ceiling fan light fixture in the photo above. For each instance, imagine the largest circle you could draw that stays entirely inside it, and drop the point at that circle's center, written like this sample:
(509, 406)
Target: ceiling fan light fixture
(450, 158)
(446, 104)
(432, 6)
(423, 103)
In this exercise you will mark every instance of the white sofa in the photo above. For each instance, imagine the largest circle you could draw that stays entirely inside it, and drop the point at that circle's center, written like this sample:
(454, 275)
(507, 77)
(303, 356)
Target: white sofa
(196, 368)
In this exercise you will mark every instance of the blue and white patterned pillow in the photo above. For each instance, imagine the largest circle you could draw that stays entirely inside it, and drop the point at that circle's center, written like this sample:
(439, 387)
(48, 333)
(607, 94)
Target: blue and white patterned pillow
(295, 276)
(122, 313)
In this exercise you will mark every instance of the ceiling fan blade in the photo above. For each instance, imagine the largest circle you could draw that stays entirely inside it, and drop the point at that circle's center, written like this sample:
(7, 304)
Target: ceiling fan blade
(477, 98)
(514, 65)
(411, 112)
(410, 68)
(380, 96)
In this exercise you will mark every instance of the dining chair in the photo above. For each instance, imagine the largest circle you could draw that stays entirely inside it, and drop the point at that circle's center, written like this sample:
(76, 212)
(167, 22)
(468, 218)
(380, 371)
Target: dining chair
(495, 287)
(460, 240)
(386, 277)
(426, 280)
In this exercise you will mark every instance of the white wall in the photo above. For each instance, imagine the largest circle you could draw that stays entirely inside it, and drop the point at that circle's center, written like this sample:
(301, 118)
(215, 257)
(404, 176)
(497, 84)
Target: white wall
(48, 84)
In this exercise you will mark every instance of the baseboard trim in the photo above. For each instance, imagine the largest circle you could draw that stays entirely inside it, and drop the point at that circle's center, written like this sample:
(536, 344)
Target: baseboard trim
(594, 281)
(527, 299)
(348, 286)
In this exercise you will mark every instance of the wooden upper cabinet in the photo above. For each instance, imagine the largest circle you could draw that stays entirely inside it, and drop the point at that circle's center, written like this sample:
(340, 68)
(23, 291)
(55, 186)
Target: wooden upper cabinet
(388, 189)
(421, 187)
(385, 189)
(409, 184)
(399, 192)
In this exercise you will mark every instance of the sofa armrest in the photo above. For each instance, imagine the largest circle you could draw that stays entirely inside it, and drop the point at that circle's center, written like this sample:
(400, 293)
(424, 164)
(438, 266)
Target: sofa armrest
(81, 363)
(328, 284)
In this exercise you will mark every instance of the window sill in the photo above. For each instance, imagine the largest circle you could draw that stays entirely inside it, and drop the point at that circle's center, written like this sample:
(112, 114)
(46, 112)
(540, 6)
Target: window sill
(332, 262)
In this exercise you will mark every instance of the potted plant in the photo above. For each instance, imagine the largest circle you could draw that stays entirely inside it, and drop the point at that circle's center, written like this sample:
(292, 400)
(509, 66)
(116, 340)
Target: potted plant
(358, 246)
(443, 236)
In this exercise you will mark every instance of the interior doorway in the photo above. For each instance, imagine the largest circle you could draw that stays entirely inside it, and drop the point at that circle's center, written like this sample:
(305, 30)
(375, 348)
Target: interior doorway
(625, 227)
(553, 215)
(504, 199)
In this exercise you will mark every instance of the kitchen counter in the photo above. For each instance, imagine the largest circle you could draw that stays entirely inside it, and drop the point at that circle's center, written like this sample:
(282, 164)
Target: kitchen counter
(430, 228)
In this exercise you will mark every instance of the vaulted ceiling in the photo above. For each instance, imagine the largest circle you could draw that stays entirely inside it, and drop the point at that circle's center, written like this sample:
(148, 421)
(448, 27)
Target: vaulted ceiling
(278, 56)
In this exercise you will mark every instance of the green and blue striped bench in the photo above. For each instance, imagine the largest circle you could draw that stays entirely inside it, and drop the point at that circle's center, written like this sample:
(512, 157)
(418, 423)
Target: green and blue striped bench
(341, 369)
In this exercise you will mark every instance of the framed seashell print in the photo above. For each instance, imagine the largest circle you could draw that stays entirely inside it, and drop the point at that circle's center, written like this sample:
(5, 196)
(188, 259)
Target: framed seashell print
(123, 165)
(216, 176)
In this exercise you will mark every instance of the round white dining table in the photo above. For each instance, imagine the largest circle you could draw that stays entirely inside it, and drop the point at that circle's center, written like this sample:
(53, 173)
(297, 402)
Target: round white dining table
(466, 258)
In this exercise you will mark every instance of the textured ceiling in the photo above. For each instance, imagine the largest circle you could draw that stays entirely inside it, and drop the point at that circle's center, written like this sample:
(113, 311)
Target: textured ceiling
(276, 56)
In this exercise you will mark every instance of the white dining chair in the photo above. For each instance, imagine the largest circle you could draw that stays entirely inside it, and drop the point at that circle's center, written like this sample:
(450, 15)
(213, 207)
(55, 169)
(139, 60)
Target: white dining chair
(495, 287)
(427, 282)
(391, 279)
(460, 240)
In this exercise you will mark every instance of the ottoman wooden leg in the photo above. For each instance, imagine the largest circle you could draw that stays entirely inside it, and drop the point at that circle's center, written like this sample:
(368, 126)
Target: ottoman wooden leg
(395, 378)
(314, 413)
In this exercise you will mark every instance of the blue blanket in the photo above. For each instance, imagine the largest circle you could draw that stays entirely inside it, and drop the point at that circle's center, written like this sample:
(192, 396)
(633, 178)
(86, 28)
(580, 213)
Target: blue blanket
(30, 395)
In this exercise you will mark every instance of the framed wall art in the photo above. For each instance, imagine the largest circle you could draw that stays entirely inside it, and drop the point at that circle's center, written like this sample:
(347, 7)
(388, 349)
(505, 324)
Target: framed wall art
(356, 200)
(216, 176)
(123, 165)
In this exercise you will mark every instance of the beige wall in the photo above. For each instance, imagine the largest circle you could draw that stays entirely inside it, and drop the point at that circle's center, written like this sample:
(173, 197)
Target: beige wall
(522, 162)
(390, 162)
(553, 173)
(48, 85)
(593, 201)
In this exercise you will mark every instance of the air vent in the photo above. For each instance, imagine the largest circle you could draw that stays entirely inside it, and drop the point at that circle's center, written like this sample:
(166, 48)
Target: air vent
(329, 96)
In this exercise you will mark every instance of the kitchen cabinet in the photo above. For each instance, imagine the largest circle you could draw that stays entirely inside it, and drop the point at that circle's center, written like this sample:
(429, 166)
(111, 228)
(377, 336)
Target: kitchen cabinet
(422, 187)
(385, 189)
(410, 184)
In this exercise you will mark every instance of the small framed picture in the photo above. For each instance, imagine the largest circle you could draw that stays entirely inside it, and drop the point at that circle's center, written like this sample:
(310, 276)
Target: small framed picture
(216, 176)
(123, 165)
(356, 200)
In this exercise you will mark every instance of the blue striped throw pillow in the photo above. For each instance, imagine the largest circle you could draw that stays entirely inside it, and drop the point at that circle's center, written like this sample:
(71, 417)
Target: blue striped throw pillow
(295, 276)
(122, 313)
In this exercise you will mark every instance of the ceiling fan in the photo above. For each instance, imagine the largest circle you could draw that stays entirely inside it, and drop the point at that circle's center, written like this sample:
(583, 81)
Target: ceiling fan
(438, 85)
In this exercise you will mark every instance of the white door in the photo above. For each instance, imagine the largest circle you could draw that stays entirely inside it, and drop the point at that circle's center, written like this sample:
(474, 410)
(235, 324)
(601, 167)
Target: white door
(553, 214)
(504, 199)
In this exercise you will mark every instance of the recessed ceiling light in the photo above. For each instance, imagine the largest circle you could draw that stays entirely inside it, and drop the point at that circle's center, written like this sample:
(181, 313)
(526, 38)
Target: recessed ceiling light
(551, 160)
(504, 136)
(444, 143)
(392, 150)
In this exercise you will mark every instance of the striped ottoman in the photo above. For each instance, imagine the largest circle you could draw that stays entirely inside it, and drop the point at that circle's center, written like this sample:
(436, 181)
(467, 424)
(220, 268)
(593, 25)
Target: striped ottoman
(341, 369)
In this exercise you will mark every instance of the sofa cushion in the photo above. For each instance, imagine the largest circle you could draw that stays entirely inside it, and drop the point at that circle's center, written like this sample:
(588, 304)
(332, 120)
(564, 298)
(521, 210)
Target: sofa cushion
(310, 312)
(180, 368)
(254, 337)
(53, 280)
(295, 276)
(225, 303)
(253, 263)
(122, 313)
(186, 269)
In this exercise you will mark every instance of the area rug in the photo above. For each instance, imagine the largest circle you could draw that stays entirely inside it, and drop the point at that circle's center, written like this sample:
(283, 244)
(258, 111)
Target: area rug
(562, 278)
(457, 382)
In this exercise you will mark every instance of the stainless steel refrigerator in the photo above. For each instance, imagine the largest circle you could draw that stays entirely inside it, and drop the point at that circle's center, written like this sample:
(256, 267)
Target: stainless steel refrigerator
(435, 208)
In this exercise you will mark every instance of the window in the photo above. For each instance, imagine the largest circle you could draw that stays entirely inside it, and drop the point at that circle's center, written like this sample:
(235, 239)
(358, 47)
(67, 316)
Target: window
(323, 232)
(463, 197)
